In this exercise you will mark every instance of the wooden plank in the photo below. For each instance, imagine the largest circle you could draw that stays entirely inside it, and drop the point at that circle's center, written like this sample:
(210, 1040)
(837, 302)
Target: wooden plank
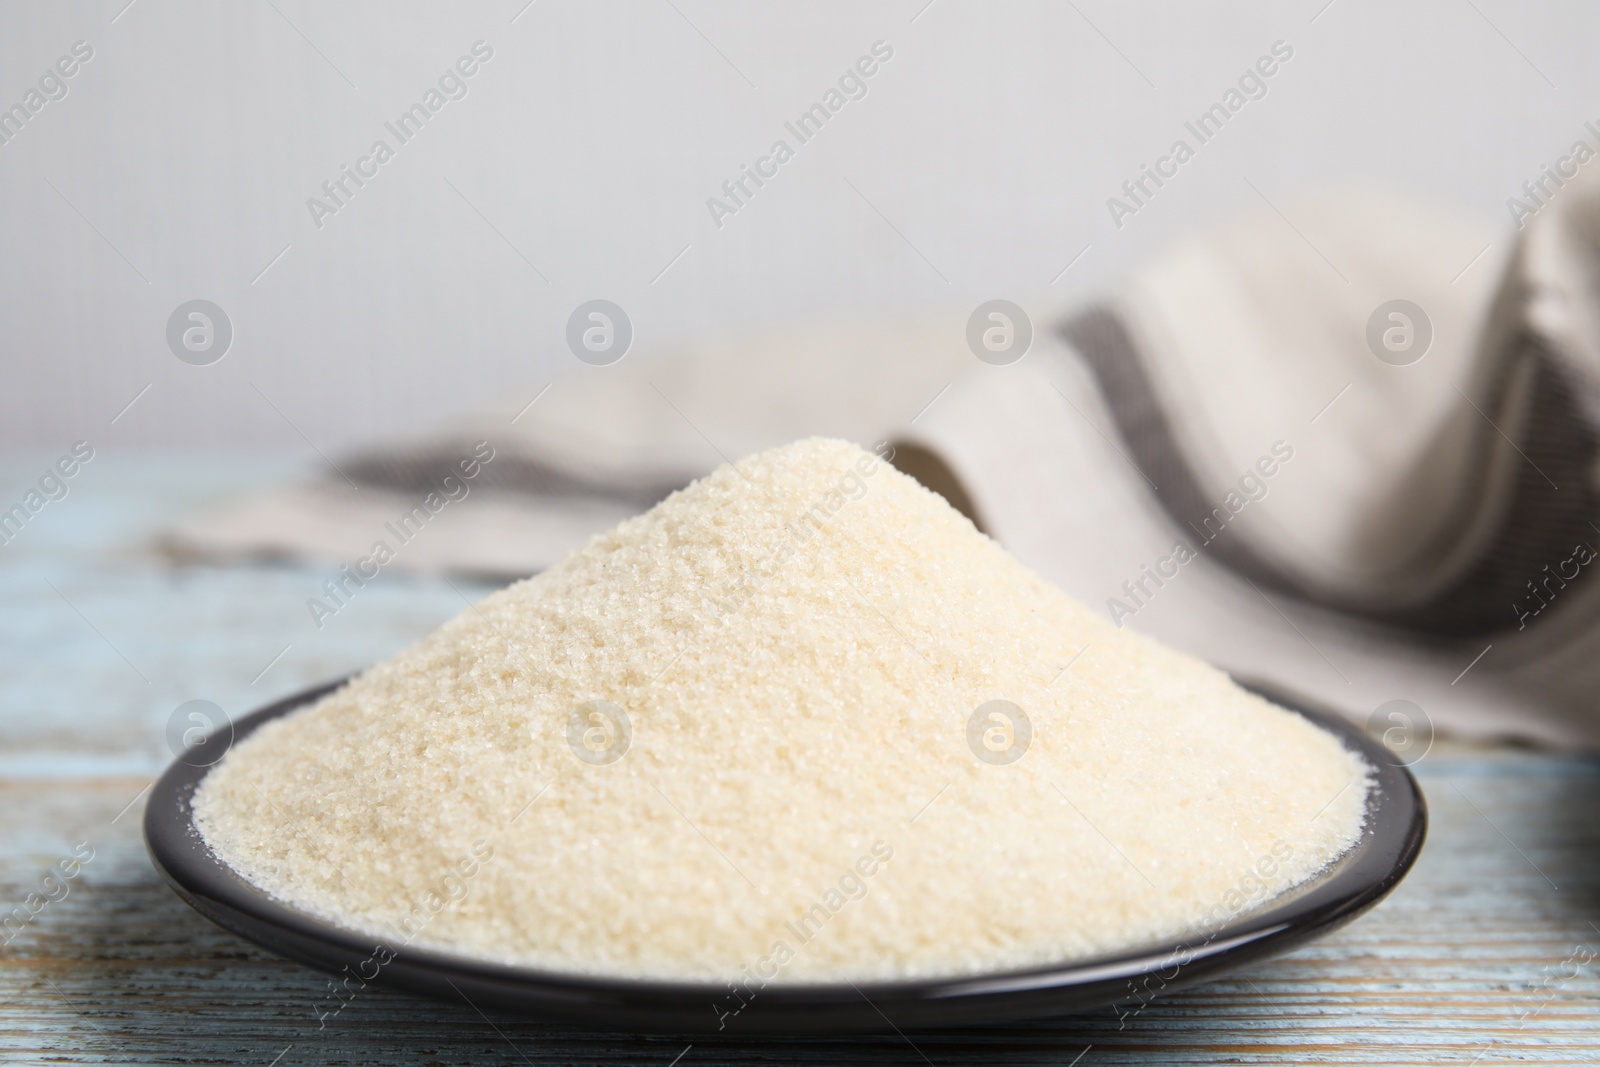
(1464, 961)
(1465, 964)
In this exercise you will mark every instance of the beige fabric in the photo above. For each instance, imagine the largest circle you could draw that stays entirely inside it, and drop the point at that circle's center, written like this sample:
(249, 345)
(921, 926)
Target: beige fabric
(1252, 330)
(620, 437)
(1038, 447)
(1255, 327)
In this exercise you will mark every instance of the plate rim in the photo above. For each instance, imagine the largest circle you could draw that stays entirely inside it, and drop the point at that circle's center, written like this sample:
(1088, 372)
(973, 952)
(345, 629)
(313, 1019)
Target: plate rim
(1389, 845)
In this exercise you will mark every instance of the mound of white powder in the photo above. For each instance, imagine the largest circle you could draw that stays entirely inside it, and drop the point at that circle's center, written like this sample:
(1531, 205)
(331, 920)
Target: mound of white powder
(800, 721)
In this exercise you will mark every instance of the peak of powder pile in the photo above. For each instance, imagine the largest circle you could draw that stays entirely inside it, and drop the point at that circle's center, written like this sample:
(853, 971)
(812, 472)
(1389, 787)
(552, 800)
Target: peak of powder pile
(801, 720)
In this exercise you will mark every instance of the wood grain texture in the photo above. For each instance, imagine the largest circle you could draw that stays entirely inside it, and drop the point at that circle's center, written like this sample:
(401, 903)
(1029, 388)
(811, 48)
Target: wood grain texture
(1471, 961)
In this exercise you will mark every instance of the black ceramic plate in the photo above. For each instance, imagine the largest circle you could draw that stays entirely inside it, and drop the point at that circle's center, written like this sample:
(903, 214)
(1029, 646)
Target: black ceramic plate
(1396, 823)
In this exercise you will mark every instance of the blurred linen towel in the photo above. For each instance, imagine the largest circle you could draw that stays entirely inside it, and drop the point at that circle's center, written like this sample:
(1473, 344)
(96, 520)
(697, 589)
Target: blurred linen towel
(1352, 457)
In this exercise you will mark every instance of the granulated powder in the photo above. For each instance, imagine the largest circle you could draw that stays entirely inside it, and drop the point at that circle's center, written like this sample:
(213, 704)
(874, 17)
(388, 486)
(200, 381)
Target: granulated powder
(801, 720)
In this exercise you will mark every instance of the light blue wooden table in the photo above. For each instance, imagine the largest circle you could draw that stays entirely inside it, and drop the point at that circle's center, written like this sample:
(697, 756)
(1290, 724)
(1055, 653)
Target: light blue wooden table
(1485, 955)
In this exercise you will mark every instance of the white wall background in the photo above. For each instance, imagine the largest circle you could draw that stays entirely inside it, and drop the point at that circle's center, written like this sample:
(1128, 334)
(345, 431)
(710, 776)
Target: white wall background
(180, 162)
